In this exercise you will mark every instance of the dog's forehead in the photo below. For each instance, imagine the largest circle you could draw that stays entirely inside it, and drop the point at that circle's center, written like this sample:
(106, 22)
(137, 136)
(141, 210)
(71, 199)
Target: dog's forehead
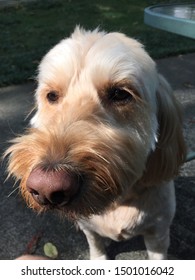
(96, 57)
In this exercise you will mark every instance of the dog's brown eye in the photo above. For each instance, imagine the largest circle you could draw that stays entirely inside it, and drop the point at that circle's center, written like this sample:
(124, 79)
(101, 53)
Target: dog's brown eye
(52, 96)
(119, 95)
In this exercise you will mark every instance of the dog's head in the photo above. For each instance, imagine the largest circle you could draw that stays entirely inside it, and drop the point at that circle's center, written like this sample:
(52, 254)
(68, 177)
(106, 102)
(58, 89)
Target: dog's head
(105, 121)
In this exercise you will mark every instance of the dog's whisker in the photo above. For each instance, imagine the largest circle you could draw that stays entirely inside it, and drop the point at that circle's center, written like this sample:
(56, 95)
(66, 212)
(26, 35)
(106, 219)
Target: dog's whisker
(12, 192)
(30, 112)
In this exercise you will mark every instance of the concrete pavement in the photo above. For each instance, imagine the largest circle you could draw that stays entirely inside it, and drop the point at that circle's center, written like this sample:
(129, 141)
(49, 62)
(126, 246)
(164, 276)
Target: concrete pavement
(23, 231)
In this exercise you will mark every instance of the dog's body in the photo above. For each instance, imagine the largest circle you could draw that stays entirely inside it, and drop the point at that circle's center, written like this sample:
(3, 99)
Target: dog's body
(105, 141)
(150, 216)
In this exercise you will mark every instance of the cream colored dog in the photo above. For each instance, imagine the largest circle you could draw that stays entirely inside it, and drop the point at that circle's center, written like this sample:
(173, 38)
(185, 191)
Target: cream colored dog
(105, 141)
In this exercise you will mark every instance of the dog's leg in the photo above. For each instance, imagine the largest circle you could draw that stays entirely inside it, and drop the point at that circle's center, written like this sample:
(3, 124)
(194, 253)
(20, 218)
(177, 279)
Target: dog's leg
(157, 245)
(96, 246)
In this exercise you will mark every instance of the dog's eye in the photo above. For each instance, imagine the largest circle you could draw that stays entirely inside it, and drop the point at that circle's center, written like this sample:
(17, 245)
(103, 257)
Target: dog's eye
(52, 96)
(119, 95)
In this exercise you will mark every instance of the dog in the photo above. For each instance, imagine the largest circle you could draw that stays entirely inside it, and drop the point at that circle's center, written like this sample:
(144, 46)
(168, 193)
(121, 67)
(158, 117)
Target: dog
(104, 143)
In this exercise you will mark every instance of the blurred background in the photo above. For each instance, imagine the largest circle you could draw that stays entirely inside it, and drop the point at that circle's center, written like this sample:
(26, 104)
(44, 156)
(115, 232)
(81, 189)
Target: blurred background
(28, 29)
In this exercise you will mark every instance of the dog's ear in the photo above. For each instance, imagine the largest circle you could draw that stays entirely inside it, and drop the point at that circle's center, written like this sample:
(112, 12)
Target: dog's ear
(163, 163)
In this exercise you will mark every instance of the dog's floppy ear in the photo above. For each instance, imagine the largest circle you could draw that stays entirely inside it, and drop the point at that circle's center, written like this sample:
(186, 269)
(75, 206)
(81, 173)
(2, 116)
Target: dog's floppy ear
(163, 163)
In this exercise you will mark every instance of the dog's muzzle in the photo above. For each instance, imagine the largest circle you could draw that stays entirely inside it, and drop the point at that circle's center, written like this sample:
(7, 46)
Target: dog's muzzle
(53, 188)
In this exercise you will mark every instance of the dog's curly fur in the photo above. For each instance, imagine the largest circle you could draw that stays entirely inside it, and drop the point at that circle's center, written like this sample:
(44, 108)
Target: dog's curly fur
(104, 113)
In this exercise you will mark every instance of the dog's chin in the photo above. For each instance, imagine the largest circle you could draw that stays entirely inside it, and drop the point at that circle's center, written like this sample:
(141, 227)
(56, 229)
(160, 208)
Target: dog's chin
(72, 211)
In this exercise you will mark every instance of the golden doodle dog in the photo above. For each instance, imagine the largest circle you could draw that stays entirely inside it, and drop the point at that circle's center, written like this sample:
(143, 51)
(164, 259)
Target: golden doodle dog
(105, 142)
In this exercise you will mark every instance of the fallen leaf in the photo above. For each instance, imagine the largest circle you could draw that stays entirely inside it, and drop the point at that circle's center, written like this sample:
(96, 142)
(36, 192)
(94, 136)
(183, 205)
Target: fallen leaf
(50, 250)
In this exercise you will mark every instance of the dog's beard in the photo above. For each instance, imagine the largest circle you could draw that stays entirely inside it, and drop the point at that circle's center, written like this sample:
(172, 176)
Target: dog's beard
(98, 191)
(107, 170)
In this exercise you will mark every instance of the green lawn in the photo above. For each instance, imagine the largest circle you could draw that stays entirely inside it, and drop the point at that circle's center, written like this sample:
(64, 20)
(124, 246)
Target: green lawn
(28, 31)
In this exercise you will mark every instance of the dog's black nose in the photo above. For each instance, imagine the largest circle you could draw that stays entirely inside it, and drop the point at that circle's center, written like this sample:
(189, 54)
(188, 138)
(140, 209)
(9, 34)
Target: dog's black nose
(52, 187)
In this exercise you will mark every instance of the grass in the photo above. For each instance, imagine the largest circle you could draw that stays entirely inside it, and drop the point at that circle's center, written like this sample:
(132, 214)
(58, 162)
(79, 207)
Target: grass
(29, 30)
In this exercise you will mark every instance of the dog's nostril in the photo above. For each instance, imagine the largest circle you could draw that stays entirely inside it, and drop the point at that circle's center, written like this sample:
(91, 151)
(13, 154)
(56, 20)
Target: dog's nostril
(59, 198)
(42, 200)
(33, 192)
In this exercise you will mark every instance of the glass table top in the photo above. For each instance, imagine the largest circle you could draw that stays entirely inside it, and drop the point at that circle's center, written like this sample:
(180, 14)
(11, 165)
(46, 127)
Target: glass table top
(175, 18)
(177, 11)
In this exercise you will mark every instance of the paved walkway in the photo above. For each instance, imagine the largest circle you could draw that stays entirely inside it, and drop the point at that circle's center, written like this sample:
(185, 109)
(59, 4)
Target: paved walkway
(24, 231)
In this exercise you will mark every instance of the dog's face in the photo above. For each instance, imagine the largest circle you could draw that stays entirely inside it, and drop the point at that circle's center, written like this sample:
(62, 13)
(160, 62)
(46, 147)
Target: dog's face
(97, 126)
